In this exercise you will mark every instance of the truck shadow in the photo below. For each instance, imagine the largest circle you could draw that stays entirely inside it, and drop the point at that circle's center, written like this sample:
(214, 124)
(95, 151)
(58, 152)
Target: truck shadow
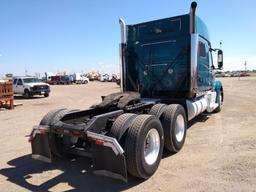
(78, 174)
(198, 119)
(203, 117)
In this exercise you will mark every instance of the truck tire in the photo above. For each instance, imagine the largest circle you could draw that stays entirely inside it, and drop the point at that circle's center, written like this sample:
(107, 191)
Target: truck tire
(57, 143)
(59, 115)
(54, 142)
(121, 124)
(157, 110)
(144, 146)
(174, 123)
(47, 119)
(27, 94)
(46, 95)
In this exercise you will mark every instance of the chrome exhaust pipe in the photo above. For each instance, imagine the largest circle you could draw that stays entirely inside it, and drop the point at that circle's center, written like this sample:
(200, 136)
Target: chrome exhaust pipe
(123, 30)
(121, 52)
(192, 15)
(194, 50)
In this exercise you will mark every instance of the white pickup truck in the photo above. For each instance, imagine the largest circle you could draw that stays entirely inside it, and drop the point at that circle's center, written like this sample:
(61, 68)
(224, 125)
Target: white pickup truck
(29, 86)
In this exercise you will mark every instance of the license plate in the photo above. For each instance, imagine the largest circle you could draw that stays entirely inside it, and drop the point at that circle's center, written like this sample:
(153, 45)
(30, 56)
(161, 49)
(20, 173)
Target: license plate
(42, 92)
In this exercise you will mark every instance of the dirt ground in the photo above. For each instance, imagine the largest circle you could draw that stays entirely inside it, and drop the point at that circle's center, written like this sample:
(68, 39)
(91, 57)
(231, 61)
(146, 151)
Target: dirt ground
(219, 153)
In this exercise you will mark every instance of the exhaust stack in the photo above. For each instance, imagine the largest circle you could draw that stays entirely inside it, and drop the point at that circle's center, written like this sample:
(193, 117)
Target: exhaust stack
(121, 52)
(192, 14)
(194, 50)
(123, 30)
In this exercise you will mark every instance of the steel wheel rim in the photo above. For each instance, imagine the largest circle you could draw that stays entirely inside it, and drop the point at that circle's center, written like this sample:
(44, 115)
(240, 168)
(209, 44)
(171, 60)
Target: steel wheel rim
(151, 146)
(179, 128)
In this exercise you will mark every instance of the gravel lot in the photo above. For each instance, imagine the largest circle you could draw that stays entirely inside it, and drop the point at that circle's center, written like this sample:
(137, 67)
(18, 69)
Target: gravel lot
(219, 153)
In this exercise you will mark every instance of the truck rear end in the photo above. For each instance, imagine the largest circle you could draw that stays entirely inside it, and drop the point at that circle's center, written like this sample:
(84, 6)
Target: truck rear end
(89, 133)
(64, 132)
(166, 80)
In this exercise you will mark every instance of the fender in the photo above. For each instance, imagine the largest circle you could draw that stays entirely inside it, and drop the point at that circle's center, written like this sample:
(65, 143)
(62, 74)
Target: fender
(217, 86)
(125, 127)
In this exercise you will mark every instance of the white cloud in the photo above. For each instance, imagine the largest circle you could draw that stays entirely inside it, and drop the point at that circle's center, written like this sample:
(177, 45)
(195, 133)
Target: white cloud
(237, 63)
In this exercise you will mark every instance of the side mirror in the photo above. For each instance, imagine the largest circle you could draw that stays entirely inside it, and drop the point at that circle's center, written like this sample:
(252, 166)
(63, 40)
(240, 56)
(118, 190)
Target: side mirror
(220, 59)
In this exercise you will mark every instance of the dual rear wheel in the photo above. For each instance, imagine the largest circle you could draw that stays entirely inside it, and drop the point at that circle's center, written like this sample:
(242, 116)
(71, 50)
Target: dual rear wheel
(174, 121)
(144, 146)
(143, 137)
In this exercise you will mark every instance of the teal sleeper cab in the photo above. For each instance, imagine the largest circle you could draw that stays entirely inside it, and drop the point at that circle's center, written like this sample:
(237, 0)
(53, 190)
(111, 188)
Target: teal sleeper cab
(158, 58)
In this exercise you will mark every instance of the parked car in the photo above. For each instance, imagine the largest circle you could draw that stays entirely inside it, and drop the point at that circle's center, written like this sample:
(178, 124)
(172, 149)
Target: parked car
(29, 86)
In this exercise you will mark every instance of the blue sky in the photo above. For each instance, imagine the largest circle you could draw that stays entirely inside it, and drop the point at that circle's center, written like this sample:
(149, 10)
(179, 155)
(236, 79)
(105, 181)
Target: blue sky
(80, 35)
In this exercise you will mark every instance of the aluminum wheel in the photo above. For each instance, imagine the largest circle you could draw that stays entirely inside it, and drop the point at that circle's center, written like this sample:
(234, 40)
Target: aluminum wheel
(151, 146)
(179, 128)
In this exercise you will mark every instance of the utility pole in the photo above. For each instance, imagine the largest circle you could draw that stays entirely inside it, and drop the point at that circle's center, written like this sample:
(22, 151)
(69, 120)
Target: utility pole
(245, 63)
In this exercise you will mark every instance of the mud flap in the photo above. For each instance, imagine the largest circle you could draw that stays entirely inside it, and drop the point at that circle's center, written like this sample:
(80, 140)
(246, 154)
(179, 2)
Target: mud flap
(40, 148)
(107, 163)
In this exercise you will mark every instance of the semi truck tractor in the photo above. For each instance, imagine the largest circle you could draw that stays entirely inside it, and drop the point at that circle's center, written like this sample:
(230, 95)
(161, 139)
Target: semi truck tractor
(166, 81)
(79, 78)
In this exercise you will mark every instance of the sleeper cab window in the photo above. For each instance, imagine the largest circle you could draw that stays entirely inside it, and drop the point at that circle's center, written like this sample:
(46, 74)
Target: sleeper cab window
(202, 51)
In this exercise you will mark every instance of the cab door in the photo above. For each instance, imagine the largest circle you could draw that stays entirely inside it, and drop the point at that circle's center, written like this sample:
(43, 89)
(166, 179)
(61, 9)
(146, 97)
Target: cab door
(14, 83)
(19, 88)
(204, 74)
